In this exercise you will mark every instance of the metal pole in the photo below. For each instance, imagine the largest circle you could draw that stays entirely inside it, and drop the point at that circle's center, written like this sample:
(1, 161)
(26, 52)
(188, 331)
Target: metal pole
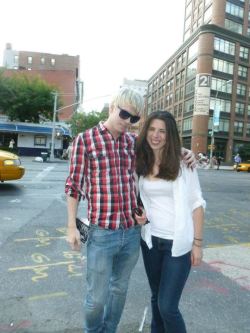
(212, 132)
(52, 156)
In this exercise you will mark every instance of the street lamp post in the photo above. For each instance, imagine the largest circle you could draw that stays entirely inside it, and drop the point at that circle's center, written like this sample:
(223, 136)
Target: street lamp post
(212, 131)
(55, 110)
(52, 156)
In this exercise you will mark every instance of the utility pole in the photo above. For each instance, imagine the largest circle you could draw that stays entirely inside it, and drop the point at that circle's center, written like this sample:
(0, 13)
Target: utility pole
(52, 156)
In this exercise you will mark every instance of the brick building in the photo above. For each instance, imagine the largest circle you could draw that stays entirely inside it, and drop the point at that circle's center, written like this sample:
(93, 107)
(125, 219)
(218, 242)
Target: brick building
(60, 70)
(208, 73)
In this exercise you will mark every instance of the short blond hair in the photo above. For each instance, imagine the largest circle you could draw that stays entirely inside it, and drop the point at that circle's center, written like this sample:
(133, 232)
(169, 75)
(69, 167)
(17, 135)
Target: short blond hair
(128, 96)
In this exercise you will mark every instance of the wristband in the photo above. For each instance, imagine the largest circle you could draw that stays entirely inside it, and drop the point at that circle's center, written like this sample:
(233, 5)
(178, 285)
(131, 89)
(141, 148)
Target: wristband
(198, 239)
(197, 245)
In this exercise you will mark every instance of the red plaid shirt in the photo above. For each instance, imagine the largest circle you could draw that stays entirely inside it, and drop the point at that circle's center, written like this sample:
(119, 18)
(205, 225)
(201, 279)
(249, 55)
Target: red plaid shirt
(102, 170)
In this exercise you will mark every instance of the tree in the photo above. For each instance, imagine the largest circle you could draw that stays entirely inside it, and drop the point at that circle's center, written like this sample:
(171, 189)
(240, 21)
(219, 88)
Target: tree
(82, 121)
(24, 98)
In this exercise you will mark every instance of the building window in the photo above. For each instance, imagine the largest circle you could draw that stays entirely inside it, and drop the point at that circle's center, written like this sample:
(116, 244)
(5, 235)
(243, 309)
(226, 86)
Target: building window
(193, 50)
(180, 110)
(238, 128)
(233, 26)
(225, 105)
(224, 46)
(187, 23)
(169, 85)
(242, 71)
(192, 70)
(248, 129)
(187, 34)
(16, 58)
(208, 14)
(29, 60)
(223, 66)
(241, 89)
(169, 99)
(223, 124)
(221, 85)
(239, 108)
(189, 9)
(187, 124)
(40, 140)
(234, 10)
(42, 60)
(189, 88)
(189, 105)
(244, 52)
(53, 61)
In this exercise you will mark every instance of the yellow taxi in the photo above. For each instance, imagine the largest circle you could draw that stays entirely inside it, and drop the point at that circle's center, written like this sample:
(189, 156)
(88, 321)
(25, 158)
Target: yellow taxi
(243, 166)
(10, 166)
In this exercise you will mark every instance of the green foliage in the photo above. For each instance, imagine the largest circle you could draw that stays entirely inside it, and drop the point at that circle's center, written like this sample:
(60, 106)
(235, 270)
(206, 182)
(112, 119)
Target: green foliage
(24, 98)
(82, 121)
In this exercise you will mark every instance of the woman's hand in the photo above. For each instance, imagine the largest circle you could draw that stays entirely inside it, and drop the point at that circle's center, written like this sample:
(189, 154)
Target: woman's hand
(196, 255)
(73, 238)
(188, 158)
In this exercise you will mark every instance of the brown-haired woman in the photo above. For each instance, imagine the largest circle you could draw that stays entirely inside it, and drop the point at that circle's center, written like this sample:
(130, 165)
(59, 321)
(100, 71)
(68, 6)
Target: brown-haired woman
(172, 199)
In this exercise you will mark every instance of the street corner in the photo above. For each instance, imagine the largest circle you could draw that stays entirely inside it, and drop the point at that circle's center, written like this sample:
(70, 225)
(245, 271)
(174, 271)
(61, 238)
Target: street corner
(233, 261)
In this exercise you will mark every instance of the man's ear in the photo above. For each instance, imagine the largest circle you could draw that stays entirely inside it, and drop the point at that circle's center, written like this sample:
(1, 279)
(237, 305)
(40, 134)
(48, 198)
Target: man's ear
(111, 108)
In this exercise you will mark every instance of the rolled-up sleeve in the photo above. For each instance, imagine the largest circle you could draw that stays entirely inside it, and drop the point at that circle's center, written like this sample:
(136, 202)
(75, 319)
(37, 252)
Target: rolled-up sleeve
(75, 181)
(195, 195)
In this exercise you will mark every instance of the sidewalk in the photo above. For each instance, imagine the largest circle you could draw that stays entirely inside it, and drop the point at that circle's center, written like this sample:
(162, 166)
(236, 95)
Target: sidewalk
(222, 167)
(32, 159)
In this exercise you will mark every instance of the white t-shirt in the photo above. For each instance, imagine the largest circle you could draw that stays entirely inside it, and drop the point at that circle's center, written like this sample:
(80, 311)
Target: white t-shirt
(161, 205)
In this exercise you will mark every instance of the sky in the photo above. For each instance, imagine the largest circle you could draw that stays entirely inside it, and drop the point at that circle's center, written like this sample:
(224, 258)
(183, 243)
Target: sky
(115, 39)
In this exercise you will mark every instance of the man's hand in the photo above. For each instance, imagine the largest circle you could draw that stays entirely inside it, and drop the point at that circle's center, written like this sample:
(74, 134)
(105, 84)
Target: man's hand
(188, 158)
(73, 238)
(139, 215)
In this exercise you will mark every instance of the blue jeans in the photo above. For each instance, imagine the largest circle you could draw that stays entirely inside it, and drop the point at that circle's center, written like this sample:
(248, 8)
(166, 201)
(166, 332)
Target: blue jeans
(167, 276)
(111, 257)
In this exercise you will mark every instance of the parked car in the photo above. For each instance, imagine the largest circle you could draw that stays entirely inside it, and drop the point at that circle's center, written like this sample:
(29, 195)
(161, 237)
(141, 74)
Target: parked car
(243, 166)
(10, 166)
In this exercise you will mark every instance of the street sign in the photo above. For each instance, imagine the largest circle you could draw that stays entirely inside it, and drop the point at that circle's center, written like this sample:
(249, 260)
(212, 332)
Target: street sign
(202, 94)
(209, 147)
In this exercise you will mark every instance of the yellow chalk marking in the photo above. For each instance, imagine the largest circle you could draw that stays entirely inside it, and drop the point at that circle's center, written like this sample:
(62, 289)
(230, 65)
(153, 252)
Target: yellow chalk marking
(39, 266)
(38, 238)
(45, 296)
(225, 245)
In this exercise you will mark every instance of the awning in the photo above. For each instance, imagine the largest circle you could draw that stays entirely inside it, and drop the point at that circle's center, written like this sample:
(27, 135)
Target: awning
(23, 128)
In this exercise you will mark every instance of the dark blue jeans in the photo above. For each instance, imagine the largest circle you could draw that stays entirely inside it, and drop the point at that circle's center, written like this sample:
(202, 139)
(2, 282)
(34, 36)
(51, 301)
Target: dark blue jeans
(167, 276)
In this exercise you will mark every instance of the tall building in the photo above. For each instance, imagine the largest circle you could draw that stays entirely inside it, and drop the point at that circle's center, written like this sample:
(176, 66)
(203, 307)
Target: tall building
(138, 85)
(206, 82)
(60, 70)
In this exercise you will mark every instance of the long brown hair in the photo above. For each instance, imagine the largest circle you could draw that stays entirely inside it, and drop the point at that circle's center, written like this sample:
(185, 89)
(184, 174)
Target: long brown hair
(171, 155)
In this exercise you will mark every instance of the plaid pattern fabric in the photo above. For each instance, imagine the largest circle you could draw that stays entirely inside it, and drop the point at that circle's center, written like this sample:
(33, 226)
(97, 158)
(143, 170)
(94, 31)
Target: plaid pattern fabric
(102, 170)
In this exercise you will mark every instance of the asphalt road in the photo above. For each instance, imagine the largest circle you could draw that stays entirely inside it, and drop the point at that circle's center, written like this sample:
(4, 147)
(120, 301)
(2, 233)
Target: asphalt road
(42, 281)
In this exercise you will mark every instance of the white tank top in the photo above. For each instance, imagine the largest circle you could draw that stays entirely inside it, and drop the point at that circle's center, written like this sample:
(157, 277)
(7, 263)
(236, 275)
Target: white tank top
(162, 212)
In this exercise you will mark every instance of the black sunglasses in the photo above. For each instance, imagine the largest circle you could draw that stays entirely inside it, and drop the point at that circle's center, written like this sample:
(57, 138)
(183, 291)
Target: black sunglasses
(123, 114)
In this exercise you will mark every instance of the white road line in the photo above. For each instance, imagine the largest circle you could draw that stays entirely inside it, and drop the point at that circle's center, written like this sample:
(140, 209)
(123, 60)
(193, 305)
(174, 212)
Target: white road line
(232, 261)
(143, 319)
(42, 174)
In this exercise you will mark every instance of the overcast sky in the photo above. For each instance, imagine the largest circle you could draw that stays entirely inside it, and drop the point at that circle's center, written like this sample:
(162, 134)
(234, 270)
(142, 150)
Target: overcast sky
(115, 39)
